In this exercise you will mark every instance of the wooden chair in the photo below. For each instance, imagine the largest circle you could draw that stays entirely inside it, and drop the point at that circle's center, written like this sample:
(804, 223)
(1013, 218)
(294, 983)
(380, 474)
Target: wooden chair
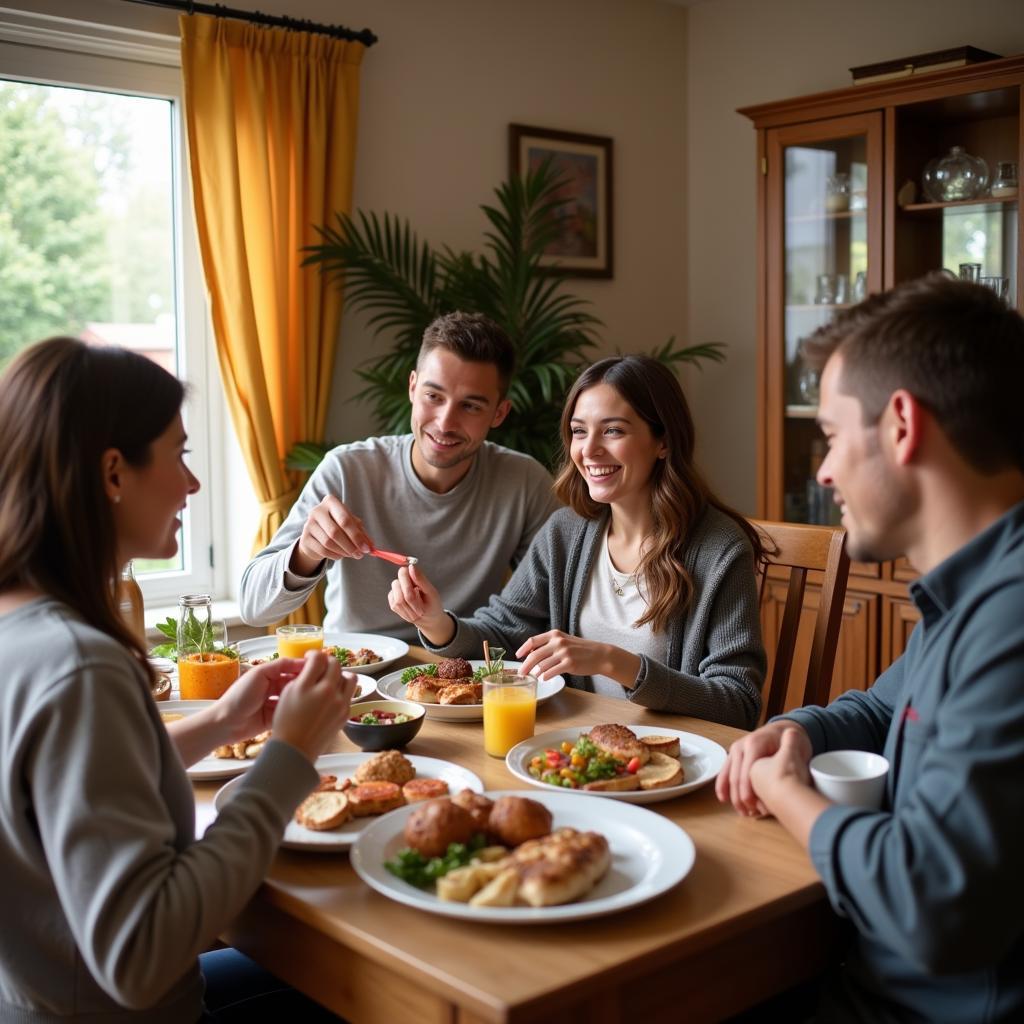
(802, 549)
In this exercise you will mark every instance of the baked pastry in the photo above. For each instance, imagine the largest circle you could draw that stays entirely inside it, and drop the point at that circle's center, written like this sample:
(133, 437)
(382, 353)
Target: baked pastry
(616, 784)
(620, 742)
(515, 819)
(478, 805)
(323, 811)
(454, 668)
(561, 867)
(661, 771)
(243, 749)
(662, 744)
(461, 693)
(416, 790)
(374, 798)
(425, 689)
(435, 824)
(387, 766)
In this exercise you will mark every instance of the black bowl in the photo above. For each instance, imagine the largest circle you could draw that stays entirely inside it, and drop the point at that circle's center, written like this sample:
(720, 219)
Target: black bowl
(385, 737)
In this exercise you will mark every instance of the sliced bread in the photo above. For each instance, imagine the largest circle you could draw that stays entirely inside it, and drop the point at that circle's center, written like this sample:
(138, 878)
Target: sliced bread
(661, 771)
(662, 744)
(324, 810)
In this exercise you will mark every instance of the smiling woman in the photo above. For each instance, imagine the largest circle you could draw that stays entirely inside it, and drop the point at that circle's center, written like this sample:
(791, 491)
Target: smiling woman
(644, 588)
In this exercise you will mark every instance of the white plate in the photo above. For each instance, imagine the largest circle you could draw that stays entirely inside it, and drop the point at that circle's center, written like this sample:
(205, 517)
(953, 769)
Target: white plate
(391, 686)
(650, 854)
(387, 647)
(702, 760)
(298, 837)
(209, 767)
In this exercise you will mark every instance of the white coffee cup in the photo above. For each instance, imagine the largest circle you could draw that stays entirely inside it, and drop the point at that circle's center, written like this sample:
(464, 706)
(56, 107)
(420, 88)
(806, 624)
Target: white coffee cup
(854, 777)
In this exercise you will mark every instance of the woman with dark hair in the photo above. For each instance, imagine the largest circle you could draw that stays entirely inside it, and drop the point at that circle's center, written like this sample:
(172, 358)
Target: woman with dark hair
(108, 897)
(644, 587)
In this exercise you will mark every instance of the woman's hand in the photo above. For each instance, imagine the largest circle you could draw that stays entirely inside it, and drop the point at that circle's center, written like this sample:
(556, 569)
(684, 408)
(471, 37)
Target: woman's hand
(554, 652)
(245, 710)
(314, 705)
(416, 600)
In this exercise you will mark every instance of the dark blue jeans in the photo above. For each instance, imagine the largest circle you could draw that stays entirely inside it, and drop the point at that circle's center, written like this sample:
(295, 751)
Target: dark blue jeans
(239, 991)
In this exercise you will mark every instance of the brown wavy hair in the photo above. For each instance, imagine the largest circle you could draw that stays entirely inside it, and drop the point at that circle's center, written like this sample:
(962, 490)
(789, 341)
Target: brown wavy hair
(62, 404)
(679, 494)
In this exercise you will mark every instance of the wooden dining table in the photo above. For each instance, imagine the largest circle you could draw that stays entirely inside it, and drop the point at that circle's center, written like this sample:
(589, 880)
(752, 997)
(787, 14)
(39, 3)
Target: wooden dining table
(749, 920)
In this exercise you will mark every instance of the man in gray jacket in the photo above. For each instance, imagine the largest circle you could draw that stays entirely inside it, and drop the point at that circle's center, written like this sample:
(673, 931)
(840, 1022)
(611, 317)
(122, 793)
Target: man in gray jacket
(920, 405)
(466, 508)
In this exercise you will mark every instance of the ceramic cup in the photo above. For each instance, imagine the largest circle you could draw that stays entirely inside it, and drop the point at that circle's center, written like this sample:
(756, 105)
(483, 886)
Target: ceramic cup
(854, 777)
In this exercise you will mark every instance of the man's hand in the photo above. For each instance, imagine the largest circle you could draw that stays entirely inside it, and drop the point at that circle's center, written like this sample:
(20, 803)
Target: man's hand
(734, 783)
(416, 600)
(331, 532)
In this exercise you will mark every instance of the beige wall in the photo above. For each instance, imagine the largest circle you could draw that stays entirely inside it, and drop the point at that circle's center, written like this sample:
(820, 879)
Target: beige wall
(741, 52)
(438, 92)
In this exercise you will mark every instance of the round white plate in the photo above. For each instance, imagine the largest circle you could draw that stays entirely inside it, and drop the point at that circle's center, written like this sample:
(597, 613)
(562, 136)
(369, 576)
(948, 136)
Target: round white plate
(210, 767)
(650, 854)
(391, 686)
(702, 760)
(298, 837)
(387, 647)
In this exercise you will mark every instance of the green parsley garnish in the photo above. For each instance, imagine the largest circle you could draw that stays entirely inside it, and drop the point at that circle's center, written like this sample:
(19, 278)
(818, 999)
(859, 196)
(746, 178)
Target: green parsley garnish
(412, 867)
(197, 636)
(417, 670)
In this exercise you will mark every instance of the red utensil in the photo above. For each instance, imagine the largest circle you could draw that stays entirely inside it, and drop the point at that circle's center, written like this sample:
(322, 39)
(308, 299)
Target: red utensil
(393, 557)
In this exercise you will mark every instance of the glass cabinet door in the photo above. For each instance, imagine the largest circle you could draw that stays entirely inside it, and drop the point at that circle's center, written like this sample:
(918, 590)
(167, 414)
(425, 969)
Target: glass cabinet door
(828, 257)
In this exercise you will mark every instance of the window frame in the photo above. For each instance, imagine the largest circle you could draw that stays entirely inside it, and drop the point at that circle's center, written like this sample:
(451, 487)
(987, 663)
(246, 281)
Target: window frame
(45, 50)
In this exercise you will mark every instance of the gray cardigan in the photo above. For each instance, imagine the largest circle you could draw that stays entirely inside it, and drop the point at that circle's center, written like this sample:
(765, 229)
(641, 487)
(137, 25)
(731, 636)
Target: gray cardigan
(716, 661)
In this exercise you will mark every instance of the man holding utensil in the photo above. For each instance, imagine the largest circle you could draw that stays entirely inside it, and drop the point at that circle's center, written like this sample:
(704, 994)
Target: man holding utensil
(466, 508)
(921, 409)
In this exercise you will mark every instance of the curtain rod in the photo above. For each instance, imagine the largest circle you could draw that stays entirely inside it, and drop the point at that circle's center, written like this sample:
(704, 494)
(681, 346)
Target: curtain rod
(364, 36)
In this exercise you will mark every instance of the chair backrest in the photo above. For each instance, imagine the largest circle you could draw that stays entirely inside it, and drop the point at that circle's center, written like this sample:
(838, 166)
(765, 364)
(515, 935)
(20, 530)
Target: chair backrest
(802, 549)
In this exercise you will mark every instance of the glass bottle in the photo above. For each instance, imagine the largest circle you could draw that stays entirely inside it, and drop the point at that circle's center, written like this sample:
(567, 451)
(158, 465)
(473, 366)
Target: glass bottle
(130, 603)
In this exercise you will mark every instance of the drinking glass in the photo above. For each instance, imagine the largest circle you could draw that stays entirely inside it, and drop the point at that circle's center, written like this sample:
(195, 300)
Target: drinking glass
(1000, 285)
(827, 293)
(294, 641)
(510, 710)
(970, 272)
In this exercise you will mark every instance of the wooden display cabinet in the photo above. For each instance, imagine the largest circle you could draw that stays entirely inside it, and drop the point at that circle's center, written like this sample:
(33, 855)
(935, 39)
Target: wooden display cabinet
(835, 221)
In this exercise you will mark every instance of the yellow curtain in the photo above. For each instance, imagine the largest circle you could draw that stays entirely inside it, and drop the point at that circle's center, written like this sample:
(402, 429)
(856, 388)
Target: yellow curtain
(271, 118)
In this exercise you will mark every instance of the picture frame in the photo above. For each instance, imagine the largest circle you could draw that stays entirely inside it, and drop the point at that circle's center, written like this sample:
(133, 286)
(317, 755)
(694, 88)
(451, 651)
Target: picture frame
(584, 247)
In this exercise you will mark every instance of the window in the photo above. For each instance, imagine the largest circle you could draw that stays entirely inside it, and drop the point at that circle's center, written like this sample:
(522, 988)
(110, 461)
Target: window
(96, 233)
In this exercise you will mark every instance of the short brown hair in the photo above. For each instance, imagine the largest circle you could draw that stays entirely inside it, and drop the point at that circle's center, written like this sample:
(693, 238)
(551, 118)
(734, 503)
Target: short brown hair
(955, 346)
(474, 338)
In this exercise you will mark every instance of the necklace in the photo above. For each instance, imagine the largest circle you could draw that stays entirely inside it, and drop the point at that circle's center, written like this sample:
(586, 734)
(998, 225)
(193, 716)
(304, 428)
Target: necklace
(619, 588)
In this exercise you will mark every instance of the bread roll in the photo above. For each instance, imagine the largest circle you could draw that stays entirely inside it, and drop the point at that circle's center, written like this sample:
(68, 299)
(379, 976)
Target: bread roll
(435, 824)
(620, 742)
(515, 819)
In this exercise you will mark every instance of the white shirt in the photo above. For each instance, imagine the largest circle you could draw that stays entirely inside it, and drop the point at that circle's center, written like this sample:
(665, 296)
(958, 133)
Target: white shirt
(611, 605)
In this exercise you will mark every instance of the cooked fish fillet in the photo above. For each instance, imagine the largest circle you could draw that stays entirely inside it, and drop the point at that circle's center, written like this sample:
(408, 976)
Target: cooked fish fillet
(561, 867)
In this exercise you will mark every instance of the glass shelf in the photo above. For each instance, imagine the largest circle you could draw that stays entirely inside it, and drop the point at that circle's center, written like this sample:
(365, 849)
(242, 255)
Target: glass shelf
(984, 204)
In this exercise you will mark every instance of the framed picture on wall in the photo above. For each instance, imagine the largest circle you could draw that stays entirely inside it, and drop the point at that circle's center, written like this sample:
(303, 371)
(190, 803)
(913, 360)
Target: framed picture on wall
(583, 246)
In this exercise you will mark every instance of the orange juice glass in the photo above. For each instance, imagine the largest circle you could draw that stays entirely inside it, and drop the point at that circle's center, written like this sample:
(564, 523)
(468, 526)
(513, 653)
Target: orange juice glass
(294, 641)
(510, 711)
(205, 676)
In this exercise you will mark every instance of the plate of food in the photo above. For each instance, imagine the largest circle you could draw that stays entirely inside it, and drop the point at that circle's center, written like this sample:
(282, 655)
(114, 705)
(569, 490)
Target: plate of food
(451, 689)
(639, 764)
(224, 762)
(355, 789)
(534, 858)
(357, 652)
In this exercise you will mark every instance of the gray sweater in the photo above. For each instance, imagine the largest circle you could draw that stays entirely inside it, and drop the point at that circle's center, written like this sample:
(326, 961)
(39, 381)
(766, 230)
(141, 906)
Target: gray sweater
(465, 539)
(716, 661)
(107, 896)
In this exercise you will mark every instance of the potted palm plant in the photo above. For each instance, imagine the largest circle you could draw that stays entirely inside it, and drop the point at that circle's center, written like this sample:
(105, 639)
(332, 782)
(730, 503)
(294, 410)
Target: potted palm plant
(403, 284)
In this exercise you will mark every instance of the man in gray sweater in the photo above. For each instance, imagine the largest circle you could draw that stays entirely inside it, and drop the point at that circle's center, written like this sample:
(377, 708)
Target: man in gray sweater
(466, 508)
(921, 407)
